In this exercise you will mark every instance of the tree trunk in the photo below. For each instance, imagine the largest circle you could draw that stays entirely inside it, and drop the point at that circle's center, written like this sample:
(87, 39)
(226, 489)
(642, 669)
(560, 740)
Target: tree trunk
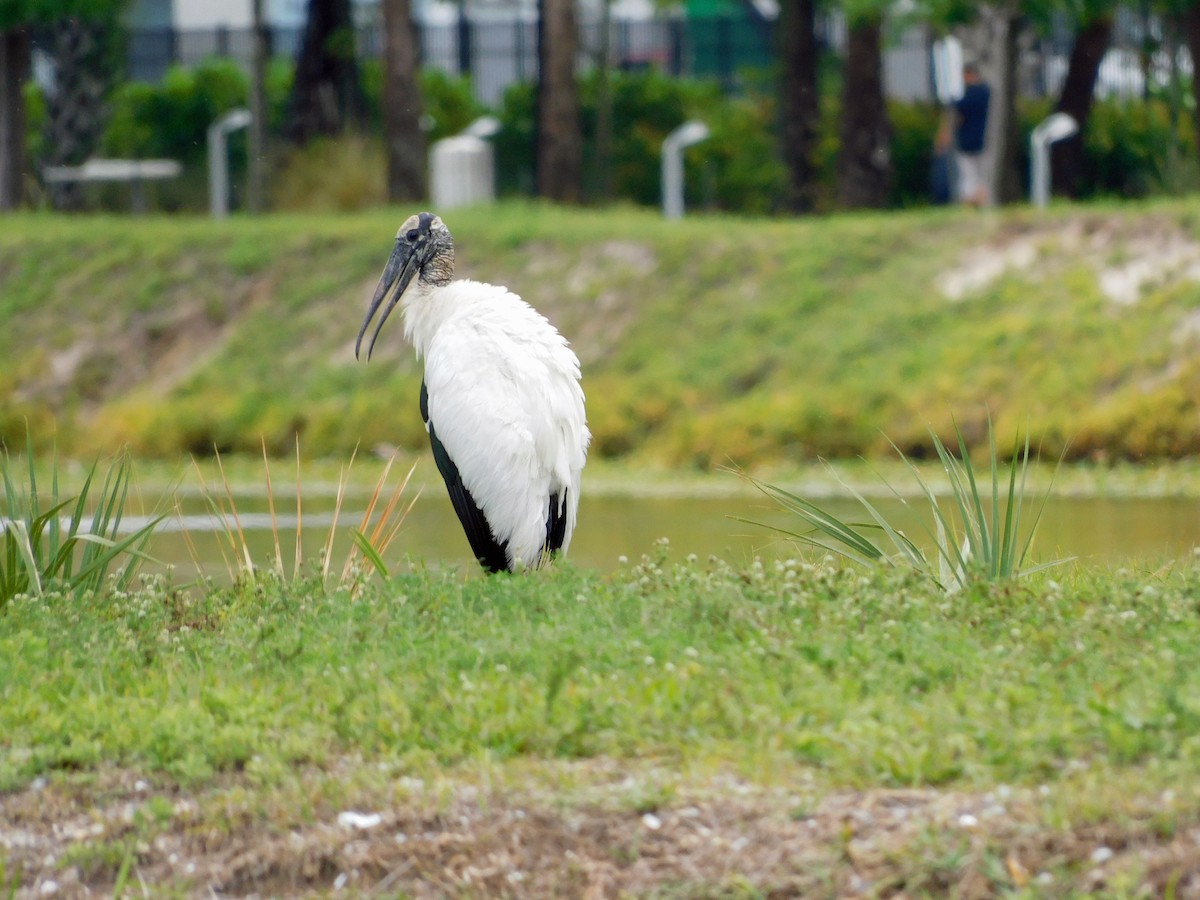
(326, 94)
(800, 111)
(76, 113)
(1066, 157)
(865, 160)
(260, 52)
(559, 155)
(1191, 33)
(14, 69)
(1008, 185)
(402, 104)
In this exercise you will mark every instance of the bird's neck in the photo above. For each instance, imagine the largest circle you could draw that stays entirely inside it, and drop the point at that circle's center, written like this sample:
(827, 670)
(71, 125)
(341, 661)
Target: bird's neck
(426, 306)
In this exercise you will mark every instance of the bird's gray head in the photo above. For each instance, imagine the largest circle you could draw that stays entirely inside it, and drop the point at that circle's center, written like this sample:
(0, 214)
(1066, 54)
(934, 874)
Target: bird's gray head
(423, 249)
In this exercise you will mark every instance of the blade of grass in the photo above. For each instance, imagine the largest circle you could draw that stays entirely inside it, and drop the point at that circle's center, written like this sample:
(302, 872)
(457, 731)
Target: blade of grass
(299, 515)
(271, 507)
(247, 559)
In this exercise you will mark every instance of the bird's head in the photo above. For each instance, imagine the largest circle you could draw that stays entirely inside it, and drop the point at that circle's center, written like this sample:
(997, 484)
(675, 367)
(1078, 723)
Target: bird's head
(423, 249)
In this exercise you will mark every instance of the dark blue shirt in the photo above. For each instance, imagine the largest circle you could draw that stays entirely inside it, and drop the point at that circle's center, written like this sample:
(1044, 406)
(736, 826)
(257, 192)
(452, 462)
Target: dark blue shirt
(972, 117)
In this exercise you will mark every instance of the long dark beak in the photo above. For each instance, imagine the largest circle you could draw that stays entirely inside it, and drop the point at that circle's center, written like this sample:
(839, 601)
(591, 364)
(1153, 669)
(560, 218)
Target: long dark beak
(399, 271)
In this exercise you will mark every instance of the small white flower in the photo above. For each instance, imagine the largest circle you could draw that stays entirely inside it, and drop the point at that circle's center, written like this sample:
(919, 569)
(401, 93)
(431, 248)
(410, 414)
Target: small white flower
(651, 821)
(1102, 855)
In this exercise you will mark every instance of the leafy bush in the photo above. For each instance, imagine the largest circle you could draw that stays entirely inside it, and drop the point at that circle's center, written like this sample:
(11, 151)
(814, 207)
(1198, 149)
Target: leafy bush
(171, 119)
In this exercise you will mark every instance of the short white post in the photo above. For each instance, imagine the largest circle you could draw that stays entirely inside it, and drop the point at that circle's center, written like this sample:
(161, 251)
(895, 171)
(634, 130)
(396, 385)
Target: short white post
(1053, 128)
(218, 159)
(672, 165)
(462, 169)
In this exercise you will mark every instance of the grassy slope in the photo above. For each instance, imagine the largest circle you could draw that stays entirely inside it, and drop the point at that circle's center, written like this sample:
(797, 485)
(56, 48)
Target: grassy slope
(795, 701)
(703, 341)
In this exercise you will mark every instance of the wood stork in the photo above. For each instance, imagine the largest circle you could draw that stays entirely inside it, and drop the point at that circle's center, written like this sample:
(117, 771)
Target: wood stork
(500, 398)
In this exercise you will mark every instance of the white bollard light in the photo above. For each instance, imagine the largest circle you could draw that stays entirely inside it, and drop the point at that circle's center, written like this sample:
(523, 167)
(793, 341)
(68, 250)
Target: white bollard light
(672, 165)
(218, 159)
(1053, 128)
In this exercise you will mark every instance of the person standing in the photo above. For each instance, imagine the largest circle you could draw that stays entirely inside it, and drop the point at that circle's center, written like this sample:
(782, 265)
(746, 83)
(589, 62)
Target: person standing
(967, 119)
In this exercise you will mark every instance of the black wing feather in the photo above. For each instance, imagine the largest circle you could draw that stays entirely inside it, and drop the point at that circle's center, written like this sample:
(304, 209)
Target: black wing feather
(492, 554)
(556, 523)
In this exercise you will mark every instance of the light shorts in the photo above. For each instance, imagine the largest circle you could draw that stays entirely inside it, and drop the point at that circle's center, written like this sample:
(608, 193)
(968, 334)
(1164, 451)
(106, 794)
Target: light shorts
(973, 176)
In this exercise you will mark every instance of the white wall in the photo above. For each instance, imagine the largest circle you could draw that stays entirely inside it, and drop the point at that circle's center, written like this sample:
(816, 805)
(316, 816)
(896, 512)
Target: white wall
(195, 14)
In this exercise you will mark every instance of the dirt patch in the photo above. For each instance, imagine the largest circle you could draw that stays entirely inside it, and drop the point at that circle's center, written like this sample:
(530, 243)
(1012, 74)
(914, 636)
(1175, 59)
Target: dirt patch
(1127, 256)
(468, 841)
(157, 348)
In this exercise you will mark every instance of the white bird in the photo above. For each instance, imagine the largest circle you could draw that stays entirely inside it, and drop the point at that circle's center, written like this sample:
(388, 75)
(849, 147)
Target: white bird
(500, 397)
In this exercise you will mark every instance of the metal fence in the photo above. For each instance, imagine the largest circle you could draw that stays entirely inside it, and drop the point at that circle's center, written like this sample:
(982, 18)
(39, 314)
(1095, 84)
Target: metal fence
(497, 51)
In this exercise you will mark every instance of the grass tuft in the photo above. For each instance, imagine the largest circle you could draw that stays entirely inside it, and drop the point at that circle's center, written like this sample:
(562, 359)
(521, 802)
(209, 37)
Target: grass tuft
(372, 538)
(49, 541)
(976, 535)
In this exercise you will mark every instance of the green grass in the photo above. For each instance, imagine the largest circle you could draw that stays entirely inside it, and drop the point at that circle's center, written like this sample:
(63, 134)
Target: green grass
(704, 342)
(209, 723)
(867, 679)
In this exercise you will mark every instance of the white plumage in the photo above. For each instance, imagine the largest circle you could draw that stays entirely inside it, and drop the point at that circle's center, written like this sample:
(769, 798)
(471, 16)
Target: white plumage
(501, 398)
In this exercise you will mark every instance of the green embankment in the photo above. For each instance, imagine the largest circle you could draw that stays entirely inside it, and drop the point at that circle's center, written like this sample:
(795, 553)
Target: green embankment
(706, 341)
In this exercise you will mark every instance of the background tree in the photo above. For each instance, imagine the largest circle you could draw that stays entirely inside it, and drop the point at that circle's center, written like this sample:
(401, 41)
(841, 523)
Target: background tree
(1190, 21)
(14, 70)
(326, 93)
(799, 100)
(88, 55)
(402, 107)
(558, 156)
(1094, 26)
(865, 154)
(17, 18)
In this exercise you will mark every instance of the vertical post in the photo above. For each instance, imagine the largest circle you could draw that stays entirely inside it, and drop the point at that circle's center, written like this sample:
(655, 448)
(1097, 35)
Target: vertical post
(218, 159)
(672, 165)
(1054, 128)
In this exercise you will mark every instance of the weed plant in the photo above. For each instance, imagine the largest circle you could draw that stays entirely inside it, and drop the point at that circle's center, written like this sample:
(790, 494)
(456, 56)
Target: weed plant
(977, 534)
(50, 541)
(372, 538)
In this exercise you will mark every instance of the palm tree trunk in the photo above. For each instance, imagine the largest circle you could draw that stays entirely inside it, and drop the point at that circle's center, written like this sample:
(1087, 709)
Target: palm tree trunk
(14, 69)
(865, 160)
(559, 154)
(1066, 157)
(402, 103)
(800, 111)
(326, 93)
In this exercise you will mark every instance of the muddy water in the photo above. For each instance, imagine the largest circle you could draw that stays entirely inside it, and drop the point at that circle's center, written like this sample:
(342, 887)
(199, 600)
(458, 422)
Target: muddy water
(1105, 532)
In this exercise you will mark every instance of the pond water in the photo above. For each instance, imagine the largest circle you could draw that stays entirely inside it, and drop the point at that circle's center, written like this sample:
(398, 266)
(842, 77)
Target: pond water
(1100, 531)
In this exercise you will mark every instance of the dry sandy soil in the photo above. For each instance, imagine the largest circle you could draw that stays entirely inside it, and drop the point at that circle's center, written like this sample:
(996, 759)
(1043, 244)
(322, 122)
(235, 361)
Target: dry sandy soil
(118, 833)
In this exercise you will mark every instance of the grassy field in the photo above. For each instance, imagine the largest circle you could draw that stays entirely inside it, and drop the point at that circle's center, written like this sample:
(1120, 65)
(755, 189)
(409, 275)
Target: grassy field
(669, 730)
(674, 728)
(706, 341)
